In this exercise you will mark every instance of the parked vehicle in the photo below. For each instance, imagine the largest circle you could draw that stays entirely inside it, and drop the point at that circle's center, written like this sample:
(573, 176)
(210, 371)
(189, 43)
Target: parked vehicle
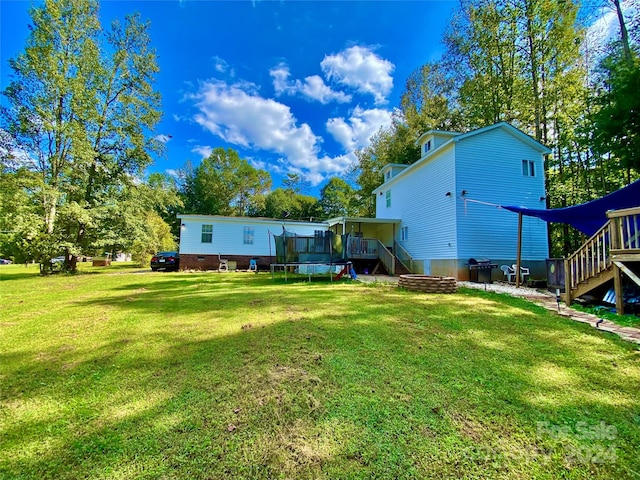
(4, 261)
(165, 261)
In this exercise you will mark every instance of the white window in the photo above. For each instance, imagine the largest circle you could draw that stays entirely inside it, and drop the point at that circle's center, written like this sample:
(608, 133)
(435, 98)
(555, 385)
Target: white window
(427, 146)
(207, 233)
(388, 198)
(388, 174)
(404, 233)
(247, 236)
(528, 168)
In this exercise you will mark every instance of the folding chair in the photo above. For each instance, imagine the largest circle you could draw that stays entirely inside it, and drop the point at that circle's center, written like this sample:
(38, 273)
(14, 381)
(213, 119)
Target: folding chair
(223, 264)
(524, 273)
(509, 272)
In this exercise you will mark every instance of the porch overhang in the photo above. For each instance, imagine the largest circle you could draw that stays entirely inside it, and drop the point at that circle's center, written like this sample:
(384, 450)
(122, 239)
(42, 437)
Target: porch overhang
(362, 220)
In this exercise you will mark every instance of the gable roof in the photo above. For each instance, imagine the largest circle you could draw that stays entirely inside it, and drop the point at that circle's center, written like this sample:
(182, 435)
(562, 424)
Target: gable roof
(510, 129)
(442, 133)
(457, 137)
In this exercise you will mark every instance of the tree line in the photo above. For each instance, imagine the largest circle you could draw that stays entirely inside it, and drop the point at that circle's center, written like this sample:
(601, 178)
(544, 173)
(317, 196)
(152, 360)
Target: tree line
(76, 133)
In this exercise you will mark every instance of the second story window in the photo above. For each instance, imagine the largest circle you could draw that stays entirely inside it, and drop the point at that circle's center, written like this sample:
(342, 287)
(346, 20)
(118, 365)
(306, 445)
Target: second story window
(207, 234)
(528, 168)
(427, 146)
(388, 198)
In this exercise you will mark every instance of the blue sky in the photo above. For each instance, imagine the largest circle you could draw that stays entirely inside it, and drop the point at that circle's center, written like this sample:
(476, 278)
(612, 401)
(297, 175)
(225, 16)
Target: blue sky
(293, 86)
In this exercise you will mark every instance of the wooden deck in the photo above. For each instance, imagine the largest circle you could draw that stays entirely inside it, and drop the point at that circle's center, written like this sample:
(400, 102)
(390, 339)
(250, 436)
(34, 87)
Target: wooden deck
(612, 251)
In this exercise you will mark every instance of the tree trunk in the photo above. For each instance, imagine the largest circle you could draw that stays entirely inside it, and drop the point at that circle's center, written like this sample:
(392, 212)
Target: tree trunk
(624, 34)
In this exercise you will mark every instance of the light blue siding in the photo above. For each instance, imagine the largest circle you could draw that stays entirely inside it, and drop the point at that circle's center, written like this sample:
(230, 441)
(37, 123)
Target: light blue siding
(489, 168)
(419, 199)
(228, 234)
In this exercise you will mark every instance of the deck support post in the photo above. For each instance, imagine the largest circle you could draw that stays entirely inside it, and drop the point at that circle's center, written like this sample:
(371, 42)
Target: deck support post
(567, 283)
(617, 287)
(519, 253)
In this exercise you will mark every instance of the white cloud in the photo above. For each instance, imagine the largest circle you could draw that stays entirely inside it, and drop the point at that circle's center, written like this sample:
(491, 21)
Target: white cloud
(313, 87)
(360, 68)
(220, 64)
(203, 150)
(162, 138)
(173, 173)
(239, 116)
(356, 132)
(243, 118)
(280, 75)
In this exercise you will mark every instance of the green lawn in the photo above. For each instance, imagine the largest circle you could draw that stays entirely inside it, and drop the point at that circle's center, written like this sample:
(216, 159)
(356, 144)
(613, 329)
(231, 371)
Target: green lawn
(124, 375)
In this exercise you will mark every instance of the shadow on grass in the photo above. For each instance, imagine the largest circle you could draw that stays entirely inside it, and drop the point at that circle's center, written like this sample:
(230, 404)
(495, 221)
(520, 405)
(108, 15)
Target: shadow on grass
(214, 376)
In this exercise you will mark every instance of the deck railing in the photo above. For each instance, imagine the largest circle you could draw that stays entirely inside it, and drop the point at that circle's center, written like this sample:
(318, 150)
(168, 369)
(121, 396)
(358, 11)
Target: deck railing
(625, 232)
(403, 256)
(621, 234)
(590, 259)
(360, 247)
(387, 258)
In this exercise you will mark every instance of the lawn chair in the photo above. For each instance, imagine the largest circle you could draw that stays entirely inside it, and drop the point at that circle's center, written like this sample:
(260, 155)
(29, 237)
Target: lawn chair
(509, 272)
(524, 273)
(223, 264)
(253, 265)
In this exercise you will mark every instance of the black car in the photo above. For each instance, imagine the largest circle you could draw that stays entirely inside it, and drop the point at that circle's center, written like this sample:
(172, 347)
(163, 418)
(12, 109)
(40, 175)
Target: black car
(165, 261)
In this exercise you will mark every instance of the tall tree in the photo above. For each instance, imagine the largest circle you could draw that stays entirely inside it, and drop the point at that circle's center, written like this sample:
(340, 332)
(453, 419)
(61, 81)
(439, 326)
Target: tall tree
(338, 198)
(295, 183)
(225, 184)
(429, 101)
(482, 58)
(82, 108)
(283, 204)
(616, 123)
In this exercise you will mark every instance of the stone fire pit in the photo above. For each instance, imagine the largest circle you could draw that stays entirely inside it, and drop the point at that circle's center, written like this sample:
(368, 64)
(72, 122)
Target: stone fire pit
(428, 283)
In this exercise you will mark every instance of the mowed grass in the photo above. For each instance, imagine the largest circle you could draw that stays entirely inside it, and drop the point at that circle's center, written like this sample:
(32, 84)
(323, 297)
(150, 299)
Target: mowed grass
(124, 375)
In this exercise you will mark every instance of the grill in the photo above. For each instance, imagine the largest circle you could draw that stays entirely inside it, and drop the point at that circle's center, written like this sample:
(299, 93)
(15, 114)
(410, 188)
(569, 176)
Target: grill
(480, 270)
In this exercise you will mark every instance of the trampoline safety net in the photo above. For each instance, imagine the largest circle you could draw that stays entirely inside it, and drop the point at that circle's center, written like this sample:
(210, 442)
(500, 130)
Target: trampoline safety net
(323, 247)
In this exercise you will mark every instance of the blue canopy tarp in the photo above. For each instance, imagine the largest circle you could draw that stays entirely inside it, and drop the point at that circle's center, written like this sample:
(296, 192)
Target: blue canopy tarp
(591, 216)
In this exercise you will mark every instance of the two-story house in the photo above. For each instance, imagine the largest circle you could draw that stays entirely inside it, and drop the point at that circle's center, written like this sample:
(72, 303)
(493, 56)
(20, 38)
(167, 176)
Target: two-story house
(434, 215)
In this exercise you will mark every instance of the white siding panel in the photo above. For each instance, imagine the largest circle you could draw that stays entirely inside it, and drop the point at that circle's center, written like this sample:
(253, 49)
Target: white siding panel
(489, 168)
(228, 235)
(421, 202)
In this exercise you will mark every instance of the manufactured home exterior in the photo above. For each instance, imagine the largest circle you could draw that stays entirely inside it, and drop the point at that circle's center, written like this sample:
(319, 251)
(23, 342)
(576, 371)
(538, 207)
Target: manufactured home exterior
(204, 239)
(448, 201)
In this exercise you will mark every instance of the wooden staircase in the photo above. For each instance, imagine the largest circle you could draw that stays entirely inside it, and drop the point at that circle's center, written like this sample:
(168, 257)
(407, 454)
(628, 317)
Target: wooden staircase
(397, 263)
(604, 257)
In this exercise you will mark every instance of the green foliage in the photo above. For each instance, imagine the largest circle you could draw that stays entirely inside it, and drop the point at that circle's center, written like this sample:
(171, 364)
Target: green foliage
(429, 101)
(338, 199)
(224, 184)
(81, 109)
(157, 238)
(285, 204)
(295, 183)
(616, 122)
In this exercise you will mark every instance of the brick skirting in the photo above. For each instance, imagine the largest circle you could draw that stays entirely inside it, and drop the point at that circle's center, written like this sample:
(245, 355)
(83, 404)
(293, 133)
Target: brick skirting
(211, 262)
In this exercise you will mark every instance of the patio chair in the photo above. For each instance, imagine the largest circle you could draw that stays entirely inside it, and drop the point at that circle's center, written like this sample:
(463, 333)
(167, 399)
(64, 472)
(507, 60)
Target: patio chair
(253, 265)
(509, 272)
(223, 264)
(524, 273)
